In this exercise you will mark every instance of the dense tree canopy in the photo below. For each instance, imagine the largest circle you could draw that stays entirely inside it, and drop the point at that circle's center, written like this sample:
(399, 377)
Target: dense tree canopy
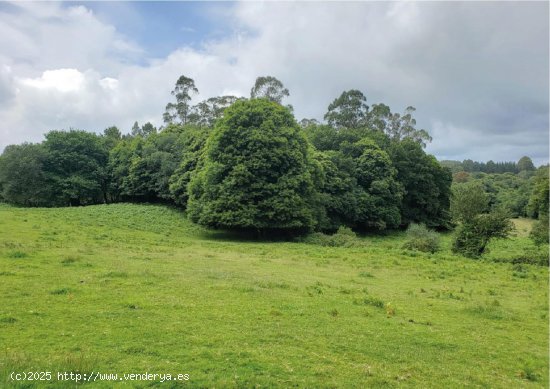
(255, 174)
(246, 164)
(349, 110)
(426, 185)
(23, 179)
(77, 164)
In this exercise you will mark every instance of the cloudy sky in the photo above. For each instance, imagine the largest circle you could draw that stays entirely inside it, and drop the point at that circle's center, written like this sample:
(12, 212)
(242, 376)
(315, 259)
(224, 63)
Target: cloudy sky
(477, 72)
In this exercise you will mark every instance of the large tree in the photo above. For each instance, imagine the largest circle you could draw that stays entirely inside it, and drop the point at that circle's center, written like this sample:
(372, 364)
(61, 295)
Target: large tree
(525, 164)
(427, 185)
(23, 180)
(153, 164)
(349, 110)
(256, 173)
(539, 205)
(193, 140)
(359, 187)
(77, 163)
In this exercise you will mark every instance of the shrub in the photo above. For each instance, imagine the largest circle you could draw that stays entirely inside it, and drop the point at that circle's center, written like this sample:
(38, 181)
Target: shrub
(421, 238)
(532, 257)
(473, 236)
(539, 233)
(344, 237)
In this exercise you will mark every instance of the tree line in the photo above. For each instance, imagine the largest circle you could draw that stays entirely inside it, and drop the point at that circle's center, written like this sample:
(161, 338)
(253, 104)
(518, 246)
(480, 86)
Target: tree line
(524, 164)
(246, 163)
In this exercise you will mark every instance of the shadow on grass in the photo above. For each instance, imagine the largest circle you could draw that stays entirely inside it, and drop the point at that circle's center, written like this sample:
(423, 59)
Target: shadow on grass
(247, 236)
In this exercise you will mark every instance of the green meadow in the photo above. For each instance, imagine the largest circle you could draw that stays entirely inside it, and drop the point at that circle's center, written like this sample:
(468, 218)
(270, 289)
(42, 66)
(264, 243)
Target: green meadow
(137, 288)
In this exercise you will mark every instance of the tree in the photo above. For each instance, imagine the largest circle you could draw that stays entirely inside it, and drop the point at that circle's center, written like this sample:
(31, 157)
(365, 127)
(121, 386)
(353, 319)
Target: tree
(359, 187)
(111, 136)
(401, 127)
(461, 177)
(23, 180)
(118, 167)
(148, 129)
(76, 162)
(468, 200)
(472, 237)
(136, 130)
(304, 123)
(539, 206)
(208, 111)
(270, 88)
(151, 168)
(185, 87)
(427, 185)
(525, 164)
(256, 172)
(469, 205)
(382, 193)
(349, 110)
(193, 140)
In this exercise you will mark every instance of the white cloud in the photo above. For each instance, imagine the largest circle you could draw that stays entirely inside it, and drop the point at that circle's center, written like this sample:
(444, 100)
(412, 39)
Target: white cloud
(63, 80)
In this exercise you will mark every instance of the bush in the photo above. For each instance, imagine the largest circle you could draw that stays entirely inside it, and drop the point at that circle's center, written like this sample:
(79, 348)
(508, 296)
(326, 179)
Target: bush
(532, 257)
(421, 238)
(473, 236)
(539, 233)
(344, 237)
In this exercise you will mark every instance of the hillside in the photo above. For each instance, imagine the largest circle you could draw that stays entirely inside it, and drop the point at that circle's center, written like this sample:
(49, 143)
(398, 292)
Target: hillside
(137, 288)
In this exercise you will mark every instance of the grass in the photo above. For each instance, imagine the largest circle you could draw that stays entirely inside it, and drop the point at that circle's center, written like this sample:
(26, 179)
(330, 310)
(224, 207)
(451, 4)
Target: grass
(137, 288)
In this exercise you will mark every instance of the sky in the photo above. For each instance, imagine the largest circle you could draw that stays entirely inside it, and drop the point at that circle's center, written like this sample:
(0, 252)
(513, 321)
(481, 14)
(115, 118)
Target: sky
(476, 72)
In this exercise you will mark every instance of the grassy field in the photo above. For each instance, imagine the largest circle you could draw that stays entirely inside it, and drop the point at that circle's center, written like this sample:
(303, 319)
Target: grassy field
(137, 288)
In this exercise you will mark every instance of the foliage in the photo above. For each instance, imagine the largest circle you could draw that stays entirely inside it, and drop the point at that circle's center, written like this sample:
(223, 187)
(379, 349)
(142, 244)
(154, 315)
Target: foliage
(304, 123)
(151, 168)
(422, 239)
(525, 164)
(508, 191)
(540, 232)
(206, 112)
(76, 163)
(23, 180)
(359, 188)
(473, 236)
(426, 185)
(256, 174)
(366, 169)
(111, 137)
(539, 198)
(349, 110)
(343, 237)
(184, 89)
(270, 88)
(193, 142)
(400, 127)
(467, 201)
(461, 177)
(535, 256)
(120, 161)
(143, 131)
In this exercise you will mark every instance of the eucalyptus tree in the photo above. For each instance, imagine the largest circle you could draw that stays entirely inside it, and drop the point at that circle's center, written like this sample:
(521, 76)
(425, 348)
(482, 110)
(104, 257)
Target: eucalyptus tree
(181, 109)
